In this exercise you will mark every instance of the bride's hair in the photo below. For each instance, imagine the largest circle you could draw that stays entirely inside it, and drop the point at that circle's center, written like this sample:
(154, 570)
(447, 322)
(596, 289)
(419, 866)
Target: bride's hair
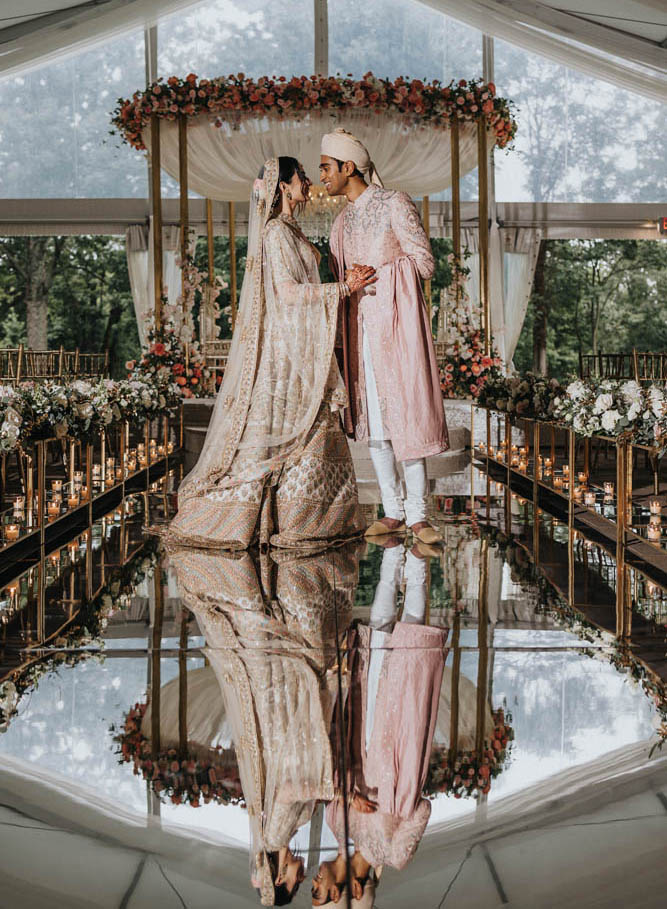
(287, 167)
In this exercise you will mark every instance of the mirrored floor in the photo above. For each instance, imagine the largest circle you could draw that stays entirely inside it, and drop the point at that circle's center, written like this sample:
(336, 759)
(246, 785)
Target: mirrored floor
(374, 725)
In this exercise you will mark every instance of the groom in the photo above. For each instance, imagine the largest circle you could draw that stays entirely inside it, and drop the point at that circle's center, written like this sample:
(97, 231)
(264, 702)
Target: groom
(389, 365)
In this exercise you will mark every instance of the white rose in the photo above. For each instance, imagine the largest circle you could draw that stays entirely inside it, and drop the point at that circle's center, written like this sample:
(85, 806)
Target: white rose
(603, 403)
(576, 390)
(610, 419)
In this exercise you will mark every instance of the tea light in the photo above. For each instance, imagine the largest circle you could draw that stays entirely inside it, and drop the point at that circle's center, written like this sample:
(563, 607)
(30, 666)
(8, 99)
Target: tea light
(132, 465)
(73, 500)
(19, 505)
(515, 460)
(84, 493)
(655, 519)
(523, 452)
(11, 532)
(608, 488)
(589, 498)
(655, 507)
(523, 466)
(57, 485)
(97, 471)
(170, 447)
(109, 481)
(161, 450)
(548, 463)
(558, 482)
(577, 493)
(78, 478)
(53, 509)
(57, 498)
(654, 532)
(566, 470)
(119, 473)
(582, 477)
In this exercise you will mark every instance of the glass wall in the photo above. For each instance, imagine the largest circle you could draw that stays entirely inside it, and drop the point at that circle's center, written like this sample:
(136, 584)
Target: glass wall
(238, 36)
(54, 126)
(579, 139)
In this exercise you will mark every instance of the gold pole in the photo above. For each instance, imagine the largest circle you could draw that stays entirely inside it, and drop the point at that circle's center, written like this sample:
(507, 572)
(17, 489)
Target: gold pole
(482, 642)
(156, 192)
(156, 646)
(183, 686)
(232, 260)
(456, 191)
(183, 189)
(482, 169)
(426, 218)
(209, 237)
(456, 673)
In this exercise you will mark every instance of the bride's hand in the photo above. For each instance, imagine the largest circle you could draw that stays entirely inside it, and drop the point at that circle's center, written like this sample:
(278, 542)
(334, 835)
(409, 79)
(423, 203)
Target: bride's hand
(360, 277)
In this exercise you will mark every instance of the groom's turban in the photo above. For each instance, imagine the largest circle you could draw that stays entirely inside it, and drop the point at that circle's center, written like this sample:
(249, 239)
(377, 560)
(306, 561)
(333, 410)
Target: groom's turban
(343, 146)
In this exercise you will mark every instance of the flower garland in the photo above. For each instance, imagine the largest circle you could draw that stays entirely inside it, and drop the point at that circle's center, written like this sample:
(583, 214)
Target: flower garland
(171, 358)
(228, 98)
(471, 773)
(185, 780)
(11, 417)
(527, 395)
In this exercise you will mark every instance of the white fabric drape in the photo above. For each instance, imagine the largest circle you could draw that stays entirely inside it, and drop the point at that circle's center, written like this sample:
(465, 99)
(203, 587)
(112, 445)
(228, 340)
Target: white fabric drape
(512, 258)
(223, 162)
(136, 249)
(634, 64)
(521, 246)
(139, 251)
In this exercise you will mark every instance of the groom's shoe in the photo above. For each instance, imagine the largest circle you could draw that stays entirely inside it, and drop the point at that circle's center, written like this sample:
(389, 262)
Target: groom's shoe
(428, 535)
(380, 529)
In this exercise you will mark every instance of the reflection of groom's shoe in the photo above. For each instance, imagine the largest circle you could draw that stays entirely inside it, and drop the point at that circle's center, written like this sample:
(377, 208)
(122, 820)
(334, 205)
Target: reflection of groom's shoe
(426, 534)
(387, 542)
(380, 529)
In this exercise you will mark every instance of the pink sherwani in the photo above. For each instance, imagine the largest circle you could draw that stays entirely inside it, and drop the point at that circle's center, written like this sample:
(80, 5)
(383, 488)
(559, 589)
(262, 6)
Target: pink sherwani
(382, 228)
(392, 770)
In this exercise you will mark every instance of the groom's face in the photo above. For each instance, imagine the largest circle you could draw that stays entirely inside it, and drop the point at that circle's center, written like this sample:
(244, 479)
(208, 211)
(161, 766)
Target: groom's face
(334, 175)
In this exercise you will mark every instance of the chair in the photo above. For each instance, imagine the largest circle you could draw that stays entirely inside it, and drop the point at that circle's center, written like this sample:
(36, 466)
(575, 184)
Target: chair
(649, 367)
(12, 364)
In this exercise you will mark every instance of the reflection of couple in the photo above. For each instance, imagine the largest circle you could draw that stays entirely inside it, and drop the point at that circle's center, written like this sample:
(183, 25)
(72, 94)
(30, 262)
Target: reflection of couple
(274, 629)
(275, 467)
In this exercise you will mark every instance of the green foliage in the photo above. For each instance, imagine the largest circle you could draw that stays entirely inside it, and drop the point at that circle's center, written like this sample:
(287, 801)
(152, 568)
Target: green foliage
(608, 295)
(89, 299)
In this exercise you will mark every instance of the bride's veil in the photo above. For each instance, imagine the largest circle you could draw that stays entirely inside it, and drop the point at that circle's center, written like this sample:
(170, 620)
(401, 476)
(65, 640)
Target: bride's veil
(231, 406)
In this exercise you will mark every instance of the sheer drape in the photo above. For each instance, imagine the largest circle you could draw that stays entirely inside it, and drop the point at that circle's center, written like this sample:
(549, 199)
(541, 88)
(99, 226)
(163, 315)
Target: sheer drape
(223, 162)
(139, 251)
(512, 258)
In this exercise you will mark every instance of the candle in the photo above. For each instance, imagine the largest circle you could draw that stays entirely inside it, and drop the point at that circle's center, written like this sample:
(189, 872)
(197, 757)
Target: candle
(78, 478)
(654, 532)
(558, 482)
(97, 470)
(57, 498)
(578, 493)
(72, 548)
(53, 509)
(109, 481)
(119, 473)
(170, 447)
(655, 519)
(582, 477)
(11, 532)
(566, 470)
(655, 507)
(161, 450)
(589, 498)
(73, 500)
(84, 493)
(57, 485)
(548, 463)
(515, 460)
(608, 488)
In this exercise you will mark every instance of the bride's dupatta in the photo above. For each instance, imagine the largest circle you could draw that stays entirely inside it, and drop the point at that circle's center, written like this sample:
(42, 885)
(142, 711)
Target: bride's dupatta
(278, 374)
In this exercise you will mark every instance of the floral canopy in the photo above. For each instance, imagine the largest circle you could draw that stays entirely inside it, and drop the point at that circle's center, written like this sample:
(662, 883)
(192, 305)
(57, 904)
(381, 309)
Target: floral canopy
(236, 123)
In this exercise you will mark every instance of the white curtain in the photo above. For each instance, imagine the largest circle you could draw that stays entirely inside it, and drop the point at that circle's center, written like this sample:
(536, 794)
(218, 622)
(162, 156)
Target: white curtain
(136, 249)
(224, 161)
(512, 258)
(635, 64)
(520, 246)
(139, 251)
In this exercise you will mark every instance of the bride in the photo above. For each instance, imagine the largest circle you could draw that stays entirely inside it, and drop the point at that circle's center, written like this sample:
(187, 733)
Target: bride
(275, 467)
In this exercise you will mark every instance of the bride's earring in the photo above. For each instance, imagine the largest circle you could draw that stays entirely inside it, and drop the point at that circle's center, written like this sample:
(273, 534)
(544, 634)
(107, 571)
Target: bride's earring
(289, 195)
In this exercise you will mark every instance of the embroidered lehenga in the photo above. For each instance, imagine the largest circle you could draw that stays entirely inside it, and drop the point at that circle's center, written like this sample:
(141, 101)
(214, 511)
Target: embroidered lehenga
(275, 467)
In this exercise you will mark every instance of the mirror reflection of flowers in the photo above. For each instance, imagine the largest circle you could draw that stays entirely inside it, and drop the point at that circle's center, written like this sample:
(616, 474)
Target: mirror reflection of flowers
(184, 779)
(471, 772)
(467, 367)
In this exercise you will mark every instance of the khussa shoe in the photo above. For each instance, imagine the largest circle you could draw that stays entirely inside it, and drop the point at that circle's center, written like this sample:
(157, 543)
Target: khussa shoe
(378, 529)
(428, 535)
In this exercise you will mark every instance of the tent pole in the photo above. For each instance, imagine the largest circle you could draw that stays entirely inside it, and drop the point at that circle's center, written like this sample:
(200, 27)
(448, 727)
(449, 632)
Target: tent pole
(456, 196)
(156, 193)
(482, 169)
(232, 261)
(183, 188)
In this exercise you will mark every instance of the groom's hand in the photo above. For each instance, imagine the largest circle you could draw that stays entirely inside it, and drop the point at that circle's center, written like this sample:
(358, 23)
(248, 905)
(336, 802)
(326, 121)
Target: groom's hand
(360, 276)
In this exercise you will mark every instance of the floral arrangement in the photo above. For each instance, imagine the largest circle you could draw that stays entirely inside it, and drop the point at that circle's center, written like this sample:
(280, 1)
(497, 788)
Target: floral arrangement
(528, 395)
(11, 417)
(471, 772)
(183, 779)
(171, 360)
(615, 407)
(227, 98)
(80, 408)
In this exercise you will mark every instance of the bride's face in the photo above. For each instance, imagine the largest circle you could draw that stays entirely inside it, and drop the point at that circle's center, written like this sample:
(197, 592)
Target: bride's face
(299, 185)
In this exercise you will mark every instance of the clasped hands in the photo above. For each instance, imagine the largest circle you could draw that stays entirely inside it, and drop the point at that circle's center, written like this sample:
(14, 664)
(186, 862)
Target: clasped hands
(359, 276)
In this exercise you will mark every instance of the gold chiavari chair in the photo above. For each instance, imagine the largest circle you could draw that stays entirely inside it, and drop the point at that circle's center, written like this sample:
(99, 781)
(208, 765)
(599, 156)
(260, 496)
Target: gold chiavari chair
(606, 366)
(12, 364)
(649, 367)
(92, 365)
(44, 364)
(216, 354)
